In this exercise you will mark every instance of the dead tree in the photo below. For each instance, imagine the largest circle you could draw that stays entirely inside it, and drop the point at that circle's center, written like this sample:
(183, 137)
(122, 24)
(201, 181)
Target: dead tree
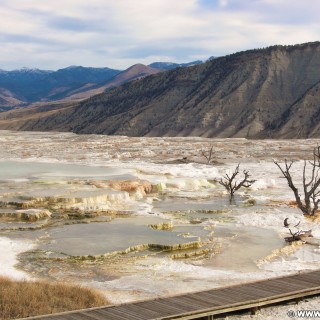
(208, 154)
(309, 202)
(230, 183)
(299, 235)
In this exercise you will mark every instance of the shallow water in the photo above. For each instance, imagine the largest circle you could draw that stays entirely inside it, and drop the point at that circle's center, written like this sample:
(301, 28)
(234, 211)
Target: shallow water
(32, 170)
(245, 247)
(101, 238)
(171, 205)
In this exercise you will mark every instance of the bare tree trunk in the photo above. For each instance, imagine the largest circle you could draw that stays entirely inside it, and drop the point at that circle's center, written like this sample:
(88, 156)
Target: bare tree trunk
(311, 190)
(209, 155)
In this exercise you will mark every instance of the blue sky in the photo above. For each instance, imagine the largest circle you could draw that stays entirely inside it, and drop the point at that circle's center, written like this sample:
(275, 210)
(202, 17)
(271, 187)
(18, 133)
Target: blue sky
(52, 34)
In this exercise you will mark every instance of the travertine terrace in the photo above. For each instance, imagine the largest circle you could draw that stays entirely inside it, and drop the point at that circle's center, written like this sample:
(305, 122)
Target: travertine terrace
(144, 217)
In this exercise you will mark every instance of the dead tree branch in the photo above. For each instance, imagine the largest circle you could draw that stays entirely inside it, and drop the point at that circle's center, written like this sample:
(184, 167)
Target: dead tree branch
(299, 235)
(230, 183)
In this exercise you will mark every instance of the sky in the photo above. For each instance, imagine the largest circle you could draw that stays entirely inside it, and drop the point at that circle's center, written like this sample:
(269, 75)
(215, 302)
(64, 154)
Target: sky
(53, 34)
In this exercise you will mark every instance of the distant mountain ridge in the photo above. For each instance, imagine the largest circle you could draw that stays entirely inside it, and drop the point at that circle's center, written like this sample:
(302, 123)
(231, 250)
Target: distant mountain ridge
(136, 71)
(262, 93)
(172, 65)
(25, 86)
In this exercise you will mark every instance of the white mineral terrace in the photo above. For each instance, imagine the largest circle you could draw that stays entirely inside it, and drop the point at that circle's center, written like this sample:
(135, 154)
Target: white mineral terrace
(144, 217)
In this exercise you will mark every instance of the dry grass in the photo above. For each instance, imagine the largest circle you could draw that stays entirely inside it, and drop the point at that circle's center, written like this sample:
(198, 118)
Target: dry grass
(19, 299)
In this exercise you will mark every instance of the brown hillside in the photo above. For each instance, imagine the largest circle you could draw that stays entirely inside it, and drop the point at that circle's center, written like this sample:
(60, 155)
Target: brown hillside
(136, 71)
(272, 92)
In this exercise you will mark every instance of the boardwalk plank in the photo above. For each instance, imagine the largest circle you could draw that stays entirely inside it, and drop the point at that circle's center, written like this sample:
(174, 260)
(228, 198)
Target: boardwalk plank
(140, 311)
(186, 304)
(93, 316)
(102, 314)
(167, 305)
(129, 313)
(161, 311)
(179, 305)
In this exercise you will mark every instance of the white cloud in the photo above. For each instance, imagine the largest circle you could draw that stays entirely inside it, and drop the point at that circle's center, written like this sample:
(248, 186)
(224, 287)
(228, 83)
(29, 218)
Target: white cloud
(52, 34)
(223, 3)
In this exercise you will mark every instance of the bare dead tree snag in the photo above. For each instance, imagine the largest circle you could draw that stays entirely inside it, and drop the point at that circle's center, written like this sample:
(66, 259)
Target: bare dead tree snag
(299, 235)
(309, 202)
(207, 154)
(230, 183)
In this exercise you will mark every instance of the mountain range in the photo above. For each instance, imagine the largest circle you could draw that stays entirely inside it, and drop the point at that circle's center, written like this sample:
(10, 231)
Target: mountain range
(22, 87)
(263, 93)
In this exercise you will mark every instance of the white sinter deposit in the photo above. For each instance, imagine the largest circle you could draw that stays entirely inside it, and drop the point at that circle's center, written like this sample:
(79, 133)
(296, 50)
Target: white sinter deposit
(9, 250)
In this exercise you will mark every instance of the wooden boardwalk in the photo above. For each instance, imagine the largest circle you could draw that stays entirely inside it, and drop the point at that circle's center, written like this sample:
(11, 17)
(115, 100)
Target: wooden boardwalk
(205, 304)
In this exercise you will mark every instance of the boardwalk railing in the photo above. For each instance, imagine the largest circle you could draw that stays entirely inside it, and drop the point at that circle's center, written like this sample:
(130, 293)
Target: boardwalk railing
(205, 304)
